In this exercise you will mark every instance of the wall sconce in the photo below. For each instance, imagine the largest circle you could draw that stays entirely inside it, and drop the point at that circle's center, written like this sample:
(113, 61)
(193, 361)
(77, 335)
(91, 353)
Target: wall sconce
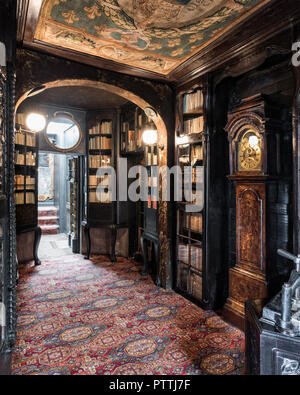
(35, 122)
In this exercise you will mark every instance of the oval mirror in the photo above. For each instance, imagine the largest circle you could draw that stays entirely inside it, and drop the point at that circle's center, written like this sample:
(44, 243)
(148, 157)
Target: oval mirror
(63, 133)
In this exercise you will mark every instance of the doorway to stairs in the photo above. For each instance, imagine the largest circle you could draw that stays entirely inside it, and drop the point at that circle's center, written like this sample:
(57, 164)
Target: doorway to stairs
(58, 204)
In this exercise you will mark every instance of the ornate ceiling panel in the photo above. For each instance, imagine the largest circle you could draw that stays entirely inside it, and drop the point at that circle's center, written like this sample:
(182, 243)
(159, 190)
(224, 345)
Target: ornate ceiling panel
(154, 35)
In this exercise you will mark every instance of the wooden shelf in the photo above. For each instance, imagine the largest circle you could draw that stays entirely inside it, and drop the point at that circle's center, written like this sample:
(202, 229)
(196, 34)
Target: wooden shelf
(198, 112)
(100, 135)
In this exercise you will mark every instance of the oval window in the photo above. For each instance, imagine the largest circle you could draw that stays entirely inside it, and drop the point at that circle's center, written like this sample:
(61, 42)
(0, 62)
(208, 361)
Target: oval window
(63, 133)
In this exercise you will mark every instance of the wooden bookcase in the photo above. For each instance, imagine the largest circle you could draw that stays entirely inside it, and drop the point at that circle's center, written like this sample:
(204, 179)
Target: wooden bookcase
(26, 165)
(190, 151)
(100, 154)
(106, 224)
(132, 122)
(26, 195)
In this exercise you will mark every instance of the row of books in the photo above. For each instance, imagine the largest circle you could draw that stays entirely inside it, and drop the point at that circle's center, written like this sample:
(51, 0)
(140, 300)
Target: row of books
(133, 141)
(196, 153)
(23, 138)
(189, 281)
(193, 101)
(20, 182)
(20, 158)
(20, 138)
(196, 223)
(30, 140)
(153, 182)
(196, 258)
(104, 127)
(105, 197)
(198, 175)
(96, 161)
(152, 159)
(94, 180)
(193, 125)
(193, 222)
(100, 142)
(152, 202)
(190, 255)
(20, 198)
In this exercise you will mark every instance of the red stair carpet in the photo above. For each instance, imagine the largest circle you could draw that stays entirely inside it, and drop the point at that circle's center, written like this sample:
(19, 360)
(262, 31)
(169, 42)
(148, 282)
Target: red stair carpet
(47, 220)
(94, 317)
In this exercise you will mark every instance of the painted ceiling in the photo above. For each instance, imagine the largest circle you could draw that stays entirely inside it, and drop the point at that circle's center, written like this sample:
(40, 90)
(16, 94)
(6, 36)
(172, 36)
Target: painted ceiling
(155, 35)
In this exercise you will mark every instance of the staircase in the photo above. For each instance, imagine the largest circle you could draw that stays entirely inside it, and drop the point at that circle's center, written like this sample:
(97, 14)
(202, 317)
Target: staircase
(47, 220)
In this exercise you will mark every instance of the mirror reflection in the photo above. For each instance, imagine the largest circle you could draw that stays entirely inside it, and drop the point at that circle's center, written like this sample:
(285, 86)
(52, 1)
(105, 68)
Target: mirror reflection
(63, 133)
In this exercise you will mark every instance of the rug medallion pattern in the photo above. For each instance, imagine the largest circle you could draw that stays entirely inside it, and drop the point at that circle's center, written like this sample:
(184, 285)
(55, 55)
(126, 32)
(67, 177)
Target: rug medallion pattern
(79, 317)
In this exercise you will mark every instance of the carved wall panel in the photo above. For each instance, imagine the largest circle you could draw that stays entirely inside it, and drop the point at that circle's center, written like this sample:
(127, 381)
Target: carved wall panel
(243, 288)
(250, 226)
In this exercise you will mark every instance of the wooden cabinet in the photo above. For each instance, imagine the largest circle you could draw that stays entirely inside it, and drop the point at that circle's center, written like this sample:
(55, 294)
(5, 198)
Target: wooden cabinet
(100, 204)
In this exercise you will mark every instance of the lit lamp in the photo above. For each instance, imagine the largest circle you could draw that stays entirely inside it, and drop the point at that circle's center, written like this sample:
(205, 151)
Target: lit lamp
(150, 136)
(36, 122)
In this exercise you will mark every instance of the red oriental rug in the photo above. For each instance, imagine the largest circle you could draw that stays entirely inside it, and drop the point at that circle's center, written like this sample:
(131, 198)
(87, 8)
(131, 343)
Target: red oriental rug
(95, 317)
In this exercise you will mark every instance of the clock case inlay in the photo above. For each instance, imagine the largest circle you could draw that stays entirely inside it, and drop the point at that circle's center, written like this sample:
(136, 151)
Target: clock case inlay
(262, 208)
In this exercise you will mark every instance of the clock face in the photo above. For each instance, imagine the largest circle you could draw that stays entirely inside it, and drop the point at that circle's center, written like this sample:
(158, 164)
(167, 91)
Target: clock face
(249, 152)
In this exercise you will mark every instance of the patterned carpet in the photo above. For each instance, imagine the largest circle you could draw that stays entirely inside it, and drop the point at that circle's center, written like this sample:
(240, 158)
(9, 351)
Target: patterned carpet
(94, 317)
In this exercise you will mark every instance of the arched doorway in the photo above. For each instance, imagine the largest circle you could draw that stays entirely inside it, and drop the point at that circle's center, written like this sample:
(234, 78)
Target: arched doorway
(164, 266)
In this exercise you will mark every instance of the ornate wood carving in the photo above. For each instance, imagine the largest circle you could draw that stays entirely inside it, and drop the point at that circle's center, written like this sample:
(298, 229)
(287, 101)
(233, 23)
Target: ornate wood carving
(12, 267)
(250, 226)
(9, 272)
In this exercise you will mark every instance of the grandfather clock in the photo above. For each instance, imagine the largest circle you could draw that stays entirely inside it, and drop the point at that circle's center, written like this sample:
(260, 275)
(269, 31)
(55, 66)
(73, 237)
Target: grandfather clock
(261, 165)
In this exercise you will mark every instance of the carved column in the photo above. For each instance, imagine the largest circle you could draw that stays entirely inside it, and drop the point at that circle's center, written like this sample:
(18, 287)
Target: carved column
(12, 268)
